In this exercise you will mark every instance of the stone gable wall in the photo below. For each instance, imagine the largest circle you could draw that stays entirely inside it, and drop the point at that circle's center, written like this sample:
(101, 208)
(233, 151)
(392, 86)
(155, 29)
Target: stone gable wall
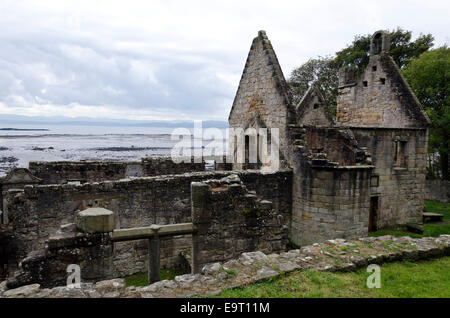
(380, 97)
(312, 110)
(262, 94)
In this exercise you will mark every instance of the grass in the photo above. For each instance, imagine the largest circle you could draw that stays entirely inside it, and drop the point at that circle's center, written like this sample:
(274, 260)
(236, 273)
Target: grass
(230, 272)
(438, 207)
(141, 279)
(403, 279)
(430, 229)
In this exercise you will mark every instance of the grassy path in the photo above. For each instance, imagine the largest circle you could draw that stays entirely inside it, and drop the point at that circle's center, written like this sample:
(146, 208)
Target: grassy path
(424, 279)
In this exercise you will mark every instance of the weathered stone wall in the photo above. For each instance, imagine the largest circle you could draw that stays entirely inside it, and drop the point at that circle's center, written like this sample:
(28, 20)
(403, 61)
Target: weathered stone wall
(58, 172)
(262, 100)
(155, 166)
(39, 211)
(222, 164)
(330, 203)
(230, 220)
(339, 145)
(399, 186)
(330, 186)
(15, 179)
(380, 97)
(437, 190)
(312, 109)
(93, 252)
(6, 244)
(334, 256)
(386, 118)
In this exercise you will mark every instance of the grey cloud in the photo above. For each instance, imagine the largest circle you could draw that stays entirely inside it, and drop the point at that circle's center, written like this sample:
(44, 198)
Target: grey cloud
(55, 71)
(176, 60)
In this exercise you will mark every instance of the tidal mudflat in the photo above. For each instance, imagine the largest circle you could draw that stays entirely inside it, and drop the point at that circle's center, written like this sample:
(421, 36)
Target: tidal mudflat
(18, 150)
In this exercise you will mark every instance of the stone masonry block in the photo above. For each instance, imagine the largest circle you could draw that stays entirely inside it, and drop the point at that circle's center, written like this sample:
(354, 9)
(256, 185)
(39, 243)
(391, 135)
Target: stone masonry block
(95, 220)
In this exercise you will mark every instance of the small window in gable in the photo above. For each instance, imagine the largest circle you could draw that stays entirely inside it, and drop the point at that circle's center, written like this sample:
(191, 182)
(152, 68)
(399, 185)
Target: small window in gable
(316, 106)
(365, 83)
(374, 68)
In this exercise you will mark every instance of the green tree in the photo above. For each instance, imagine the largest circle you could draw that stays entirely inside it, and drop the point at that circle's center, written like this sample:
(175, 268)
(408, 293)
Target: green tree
(402, 49)
(325, 70)
(429, 77)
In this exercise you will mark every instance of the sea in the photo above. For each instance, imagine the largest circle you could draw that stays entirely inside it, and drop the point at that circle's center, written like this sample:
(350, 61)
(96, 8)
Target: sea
(61, 143)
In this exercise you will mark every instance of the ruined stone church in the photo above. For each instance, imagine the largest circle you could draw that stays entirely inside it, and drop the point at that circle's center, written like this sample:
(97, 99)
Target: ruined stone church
(364, 171)
(333, 179)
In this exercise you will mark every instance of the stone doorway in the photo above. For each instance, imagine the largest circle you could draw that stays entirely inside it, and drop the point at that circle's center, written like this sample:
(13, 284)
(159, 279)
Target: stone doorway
(373, 212)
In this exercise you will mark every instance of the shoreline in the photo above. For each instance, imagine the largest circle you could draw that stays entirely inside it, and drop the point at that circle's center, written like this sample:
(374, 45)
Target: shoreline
(24, 129)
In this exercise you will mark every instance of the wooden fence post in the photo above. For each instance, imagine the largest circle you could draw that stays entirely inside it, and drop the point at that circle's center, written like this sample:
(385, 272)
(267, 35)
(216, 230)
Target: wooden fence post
(154, 257)
(198, 202)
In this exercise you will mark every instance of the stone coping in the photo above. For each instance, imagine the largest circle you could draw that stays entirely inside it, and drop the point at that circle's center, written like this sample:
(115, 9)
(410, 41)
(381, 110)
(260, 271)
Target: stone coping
(360, 167)
(81, 162)
(249, 268)
(381, 127)
(158, 178)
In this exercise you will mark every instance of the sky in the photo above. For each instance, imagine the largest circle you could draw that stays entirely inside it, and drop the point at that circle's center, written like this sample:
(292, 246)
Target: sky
(172, 60)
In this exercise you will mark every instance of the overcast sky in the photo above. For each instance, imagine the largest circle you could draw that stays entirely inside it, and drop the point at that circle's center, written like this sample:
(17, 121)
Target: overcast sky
(172, 59)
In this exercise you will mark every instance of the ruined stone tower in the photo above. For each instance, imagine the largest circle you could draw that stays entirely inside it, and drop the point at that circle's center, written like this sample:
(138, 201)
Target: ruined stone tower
(363, 172)
(330, 179)
(262, 99)
(386, 118)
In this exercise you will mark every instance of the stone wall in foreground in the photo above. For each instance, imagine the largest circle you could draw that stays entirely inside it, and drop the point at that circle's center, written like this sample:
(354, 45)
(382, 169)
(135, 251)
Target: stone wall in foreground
(332, 255)
(41, 211)
(231, 220)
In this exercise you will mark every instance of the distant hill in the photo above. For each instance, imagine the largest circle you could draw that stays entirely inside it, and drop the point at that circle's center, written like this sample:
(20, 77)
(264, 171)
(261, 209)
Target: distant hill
(10, 120)
(20, 129)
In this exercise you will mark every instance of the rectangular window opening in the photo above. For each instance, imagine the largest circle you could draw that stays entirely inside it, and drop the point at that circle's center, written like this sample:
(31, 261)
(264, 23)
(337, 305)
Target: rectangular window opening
(382, 81)
(373, 212)
(365, 83)
(400, 153)
(247, 148)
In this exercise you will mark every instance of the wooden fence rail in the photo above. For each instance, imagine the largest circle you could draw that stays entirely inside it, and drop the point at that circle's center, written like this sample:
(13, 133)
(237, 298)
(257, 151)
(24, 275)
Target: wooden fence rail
(152, 233)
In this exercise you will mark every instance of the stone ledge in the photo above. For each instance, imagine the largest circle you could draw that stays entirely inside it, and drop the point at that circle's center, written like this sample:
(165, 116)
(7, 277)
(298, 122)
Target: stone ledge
(249, 268)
